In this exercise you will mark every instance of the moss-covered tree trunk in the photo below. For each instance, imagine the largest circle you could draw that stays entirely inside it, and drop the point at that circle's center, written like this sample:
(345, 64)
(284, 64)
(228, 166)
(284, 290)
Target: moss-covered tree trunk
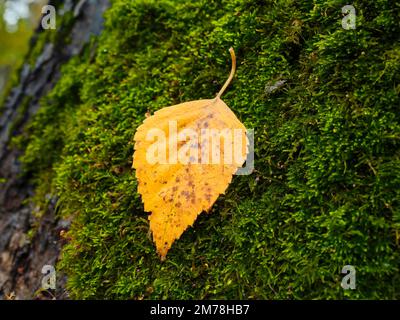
(29, 240)
(323, 101)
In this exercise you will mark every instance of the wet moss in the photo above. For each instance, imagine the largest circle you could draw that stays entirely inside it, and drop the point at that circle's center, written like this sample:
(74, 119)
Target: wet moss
(325, 192)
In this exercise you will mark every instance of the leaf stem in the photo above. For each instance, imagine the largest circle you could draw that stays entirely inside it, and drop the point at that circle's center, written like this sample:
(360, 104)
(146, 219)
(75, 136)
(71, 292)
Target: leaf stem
(233, 70)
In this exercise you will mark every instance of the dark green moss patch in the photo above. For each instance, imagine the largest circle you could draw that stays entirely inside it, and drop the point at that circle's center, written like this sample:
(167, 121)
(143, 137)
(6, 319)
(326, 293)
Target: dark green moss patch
(325, 192)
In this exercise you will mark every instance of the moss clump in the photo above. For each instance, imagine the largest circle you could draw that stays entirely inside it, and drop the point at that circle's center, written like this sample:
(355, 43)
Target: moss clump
(325, 192)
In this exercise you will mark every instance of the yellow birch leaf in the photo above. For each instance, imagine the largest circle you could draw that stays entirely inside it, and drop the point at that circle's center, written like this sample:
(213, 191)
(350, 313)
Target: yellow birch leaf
(185, 156)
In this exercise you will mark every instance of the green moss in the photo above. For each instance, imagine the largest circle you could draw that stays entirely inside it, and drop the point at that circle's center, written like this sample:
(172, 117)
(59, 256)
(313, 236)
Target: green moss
(325, 192)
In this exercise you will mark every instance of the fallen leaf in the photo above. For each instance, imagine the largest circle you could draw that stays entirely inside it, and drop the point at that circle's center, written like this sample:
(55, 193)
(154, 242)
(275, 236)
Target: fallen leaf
(185, 170)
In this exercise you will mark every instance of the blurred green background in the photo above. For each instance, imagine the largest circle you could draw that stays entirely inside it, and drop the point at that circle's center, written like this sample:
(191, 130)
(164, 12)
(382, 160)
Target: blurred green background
(18, 19)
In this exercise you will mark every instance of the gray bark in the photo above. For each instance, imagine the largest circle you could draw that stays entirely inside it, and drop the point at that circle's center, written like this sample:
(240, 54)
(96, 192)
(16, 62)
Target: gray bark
(22, 258)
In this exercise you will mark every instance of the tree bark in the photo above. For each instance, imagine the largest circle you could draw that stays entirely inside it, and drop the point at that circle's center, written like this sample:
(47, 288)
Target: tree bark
(22, 257)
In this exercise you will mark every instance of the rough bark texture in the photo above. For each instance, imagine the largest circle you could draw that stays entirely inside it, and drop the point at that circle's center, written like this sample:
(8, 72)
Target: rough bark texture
(22, 257)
